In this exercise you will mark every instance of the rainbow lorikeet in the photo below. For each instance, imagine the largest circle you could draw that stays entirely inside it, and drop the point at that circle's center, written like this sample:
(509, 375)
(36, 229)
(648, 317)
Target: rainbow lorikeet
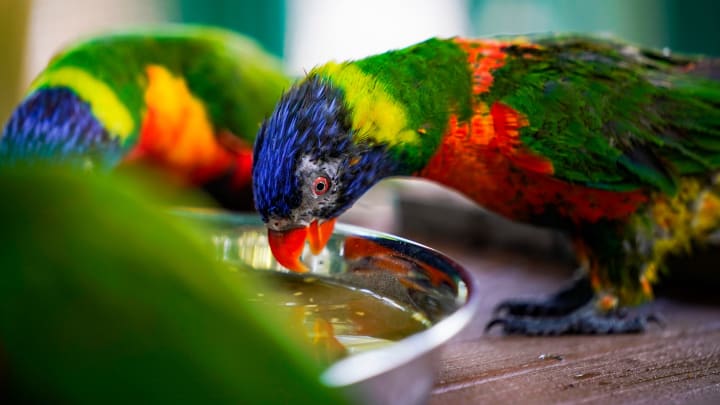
(615, 145)
(183, 99)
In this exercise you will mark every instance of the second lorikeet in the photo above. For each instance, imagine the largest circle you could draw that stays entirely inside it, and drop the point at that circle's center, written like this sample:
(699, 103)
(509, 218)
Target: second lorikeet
(616, 145)
(186, 100)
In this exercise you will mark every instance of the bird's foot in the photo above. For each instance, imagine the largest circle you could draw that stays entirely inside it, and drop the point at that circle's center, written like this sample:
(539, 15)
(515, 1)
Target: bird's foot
(573, 310)
(565, 301)
(583, 321)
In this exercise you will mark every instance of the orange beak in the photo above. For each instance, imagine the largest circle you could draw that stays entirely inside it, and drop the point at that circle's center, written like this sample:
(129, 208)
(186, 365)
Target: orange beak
(287, 246)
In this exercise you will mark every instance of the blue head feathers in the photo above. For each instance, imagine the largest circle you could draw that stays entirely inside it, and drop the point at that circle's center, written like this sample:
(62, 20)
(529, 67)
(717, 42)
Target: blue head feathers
(55, 124)
(309, 134)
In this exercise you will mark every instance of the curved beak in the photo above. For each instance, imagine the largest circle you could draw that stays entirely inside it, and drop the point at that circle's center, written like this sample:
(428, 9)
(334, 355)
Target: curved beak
(288, 245)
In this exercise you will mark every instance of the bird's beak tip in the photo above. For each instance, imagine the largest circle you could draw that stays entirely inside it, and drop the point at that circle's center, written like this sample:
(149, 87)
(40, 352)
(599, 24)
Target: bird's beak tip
(287, 245)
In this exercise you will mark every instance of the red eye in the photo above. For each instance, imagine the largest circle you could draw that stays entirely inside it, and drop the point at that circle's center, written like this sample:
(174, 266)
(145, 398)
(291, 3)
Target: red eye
(321, 185)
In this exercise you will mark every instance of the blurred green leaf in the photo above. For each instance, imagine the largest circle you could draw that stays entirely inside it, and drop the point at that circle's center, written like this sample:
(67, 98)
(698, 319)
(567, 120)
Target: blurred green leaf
(105, 298)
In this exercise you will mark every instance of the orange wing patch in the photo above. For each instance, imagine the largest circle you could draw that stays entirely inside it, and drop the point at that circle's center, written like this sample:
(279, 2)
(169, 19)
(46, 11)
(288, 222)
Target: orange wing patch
(483, 57)
(176, 133)
(495, 129)
(506, 127)
(499, 126)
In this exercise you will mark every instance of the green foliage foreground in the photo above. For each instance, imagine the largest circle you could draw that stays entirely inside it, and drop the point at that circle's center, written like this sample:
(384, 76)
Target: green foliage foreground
(105, 298)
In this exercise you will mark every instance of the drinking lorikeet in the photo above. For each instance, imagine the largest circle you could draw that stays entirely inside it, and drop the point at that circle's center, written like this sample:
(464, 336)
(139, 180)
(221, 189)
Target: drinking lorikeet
(616, 145)
(186, 100)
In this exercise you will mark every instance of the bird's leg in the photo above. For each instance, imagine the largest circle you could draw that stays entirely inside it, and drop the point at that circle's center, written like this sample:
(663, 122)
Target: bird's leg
(565, 301)
(576, 309)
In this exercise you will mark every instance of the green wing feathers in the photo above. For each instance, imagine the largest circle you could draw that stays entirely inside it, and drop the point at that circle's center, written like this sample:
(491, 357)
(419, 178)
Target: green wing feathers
(613, 116)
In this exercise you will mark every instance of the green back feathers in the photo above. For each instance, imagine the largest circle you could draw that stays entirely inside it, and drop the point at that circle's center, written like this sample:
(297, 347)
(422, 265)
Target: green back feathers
(404, 98)
(235, 79)
(612, 116)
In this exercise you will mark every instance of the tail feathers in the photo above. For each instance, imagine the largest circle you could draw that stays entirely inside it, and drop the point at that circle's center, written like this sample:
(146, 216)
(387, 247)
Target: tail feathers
(55, 124)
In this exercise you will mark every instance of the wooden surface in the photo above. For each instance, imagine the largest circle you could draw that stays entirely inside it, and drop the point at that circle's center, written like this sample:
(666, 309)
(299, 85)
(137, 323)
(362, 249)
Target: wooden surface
(679, 363)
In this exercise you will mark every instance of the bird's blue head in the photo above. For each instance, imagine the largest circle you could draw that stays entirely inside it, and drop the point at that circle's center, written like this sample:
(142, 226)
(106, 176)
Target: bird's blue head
(308, 168)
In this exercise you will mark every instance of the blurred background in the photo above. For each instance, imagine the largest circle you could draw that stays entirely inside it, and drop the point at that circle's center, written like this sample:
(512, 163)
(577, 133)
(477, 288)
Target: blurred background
(308, 32)
(305, 33)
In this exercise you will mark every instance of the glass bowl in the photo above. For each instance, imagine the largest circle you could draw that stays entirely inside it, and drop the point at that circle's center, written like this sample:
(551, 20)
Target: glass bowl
(403, 271)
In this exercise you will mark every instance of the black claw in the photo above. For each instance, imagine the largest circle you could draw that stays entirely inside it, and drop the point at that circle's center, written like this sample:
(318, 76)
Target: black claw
(512, 307)
(657, 319)
(569, 311)
(493, 322)
(527, 308)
